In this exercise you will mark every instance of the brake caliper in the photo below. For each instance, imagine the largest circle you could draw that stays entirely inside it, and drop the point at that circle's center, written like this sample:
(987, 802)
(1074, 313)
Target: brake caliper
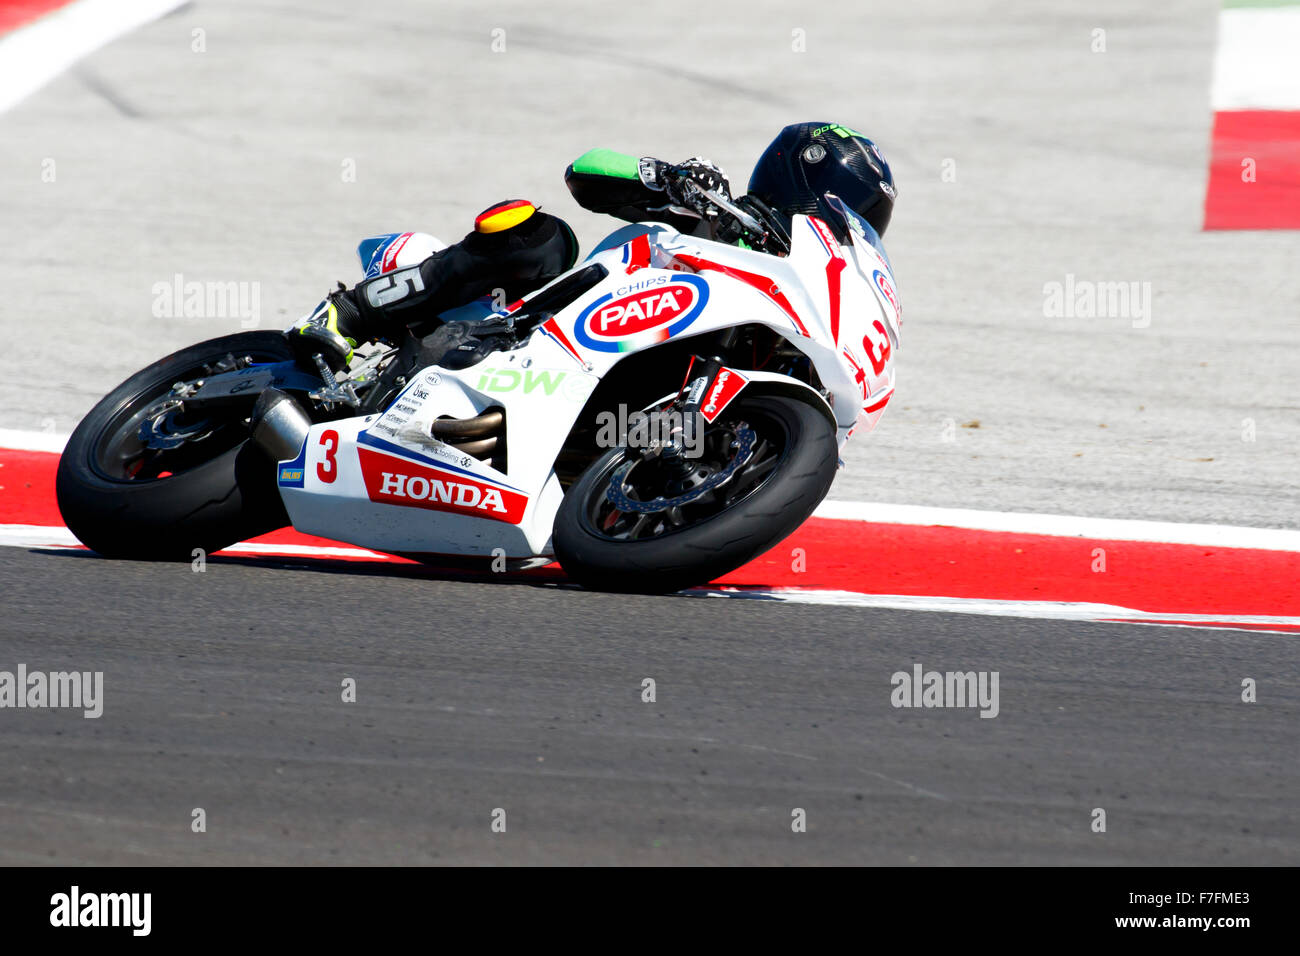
(742, 444)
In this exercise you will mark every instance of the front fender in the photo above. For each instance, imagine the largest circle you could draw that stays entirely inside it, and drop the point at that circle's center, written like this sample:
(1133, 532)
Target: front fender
(785, 385)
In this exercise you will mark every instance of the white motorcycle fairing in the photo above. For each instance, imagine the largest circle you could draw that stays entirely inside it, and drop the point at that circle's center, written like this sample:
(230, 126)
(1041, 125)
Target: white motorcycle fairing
(382, 482)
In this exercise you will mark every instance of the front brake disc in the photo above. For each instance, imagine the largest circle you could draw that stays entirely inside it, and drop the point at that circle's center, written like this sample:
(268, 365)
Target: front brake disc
(617, 495)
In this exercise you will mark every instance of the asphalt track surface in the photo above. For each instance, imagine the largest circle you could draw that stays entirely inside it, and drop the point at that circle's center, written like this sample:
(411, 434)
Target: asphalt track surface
(222, 691)
(223, 688)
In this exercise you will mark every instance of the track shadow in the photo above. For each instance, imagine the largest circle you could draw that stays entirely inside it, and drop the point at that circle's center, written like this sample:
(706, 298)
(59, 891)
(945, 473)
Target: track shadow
(537, 577)
(546, 577)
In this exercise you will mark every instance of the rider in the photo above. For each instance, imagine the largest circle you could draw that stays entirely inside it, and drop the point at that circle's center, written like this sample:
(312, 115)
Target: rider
(517, 248)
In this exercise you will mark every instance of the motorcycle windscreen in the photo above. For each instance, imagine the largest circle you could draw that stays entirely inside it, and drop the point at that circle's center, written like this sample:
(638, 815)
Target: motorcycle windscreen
(864, 229)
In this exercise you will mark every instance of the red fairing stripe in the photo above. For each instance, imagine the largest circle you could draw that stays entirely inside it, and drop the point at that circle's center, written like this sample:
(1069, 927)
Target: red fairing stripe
(639, 254)
(552, 328)
(761, 283)
(833, 270)
(880, 404)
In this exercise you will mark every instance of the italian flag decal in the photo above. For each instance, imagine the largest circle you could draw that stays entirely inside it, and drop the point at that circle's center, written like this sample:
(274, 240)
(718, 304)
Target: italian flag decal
(1255, 152)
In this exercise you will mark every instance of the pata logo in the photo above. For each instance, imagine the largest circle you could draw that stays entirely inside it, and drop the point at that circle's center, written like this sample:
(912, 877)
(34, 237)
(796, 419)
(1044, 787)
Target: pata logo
(644, 310)
(651, 310)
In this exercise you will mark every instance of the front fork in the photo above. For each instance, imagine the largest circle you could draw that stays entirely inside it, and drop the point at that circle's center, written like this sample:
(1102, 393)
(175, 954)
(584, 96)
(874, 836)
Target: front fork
(706, 390)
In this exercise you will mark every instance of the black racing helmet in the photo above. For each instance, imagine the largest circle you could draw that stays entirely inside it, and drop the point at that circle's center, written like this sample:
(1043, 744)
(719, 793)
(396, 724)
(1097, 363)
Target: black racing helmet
(808, 160)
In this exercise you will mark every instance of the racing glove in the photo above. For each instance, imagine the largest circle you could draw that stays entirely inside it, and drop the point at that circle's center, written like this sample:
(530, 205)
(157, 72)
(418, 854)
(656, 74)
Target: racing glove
(684, 183)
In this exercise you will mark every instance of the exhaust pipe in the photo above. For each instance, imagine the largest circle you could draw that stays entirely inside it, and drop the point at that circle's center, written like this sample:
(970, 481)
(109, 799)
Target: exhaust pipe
(479, 449)
(279, 425)
(453, 430)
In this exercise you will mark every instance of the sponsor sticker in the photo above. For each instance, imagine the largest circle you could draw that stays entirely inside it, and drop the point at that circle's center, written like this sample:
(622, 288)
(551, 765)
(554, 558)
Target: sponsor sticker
(887, 290)
(726, 386)
(398, 481)
(696, 391)
(291, 474)
(643, 313)
(543, 381)
(540, 382)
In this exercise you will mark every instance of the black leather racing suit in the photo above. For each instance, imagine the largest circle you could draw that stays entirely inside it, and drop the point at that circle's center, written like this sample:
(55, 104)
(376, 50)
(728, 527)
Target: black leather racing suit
(514, 247)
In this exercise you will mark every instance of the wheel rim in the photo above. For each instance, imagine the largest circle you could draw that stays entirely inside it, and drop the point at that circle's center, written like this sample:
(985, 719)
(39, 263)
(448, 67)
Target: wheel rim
(152, 437)
(641, 499)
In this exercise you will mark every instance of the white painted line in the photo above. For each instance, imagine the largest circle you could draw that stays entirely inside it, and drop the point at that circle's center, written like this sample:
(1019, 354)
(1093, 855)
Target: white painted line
(311, 550)
(13, 440)
(1043, 610)
(1257, 63)
(36, 536)
(1064, 526)
(33, 55)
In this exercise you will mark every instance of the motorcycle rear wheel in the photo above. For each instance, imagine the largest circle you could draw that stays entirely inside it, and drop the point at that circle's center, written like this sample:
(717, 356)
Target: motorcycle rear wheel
(124, 499)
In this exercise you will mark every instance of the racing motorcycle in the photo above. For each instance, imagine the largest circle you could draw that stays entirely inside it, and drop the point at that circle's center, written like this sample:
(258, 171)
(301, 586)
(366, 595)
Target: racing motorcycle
(661, 414)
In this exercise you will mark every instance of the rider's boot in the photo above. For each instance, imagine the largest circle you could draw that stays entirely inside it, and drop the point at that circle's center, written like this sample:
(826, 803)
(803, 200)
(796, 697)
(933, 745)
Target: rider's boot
(513, 250)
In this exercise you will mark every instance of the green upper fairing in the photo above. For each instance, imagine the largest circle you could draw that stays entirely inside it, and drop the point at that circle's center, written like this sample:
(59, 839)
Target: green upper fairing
(607, 162)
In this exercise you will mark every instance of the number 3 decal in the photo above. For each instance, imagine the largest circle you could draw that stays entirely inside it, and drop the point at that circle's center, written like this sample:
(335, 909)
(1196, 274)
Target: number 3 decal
(328, 469)
(877, 362)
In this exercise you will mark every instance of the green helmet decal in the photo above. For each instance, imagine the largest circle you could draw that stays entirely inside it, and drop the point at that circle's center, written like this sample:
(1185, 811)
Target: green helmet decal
(843, 132)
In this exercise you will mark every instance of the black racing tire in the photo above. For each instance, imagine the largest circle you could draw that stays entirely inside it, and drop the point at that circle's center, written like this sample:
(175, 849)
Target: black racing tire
(717, 543)
(226, 492)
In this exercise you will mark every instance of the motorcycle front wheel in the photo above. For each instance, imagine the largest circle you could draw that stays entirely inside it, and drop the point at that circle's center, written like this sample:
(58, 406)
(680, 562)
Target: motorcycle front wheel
(646, 524)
